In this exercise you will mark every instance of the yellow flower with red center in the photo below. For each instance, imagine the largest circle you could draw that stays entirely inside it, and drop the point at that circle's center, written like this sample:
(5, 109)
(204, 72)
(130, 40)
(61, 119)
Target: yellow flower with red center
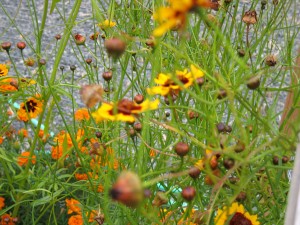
(82, 114)
(2, 204)
(106, 24)
(125, 110)
(235, 215)
(167, 85)
(174, 16)
(25, 157)
(3, 70)
(30, 109)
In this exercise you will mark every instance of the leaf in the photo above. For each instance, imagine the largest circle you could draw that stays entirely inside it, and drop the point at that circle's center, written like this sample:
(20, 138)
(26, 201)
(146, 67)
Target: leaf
(54, 2)
(96, 11)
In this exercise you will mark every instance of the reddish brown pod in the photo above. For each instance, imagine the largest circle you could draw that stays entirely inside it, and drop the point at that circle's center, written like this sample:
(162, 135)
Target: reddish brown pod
(182, 149)
(188, 193)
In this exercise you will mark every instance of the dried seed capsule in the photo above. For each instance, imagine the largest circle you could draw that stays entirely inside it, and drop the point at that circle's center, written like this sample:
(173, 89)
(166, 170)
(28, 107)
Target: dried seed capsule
(194, 172)
(73, 67)
(88, 61)
(221, 127)
(250, 17)
(58, 37)
(137, 127)
(188, 193)
(107, 75)
(182, 149)
(127, 189)
(228, 163)
(253, 83)
(285, 159)
(21, 45)
(271, 60)
(138, 98)
(222, 94)
(275, 160)
(241, 196)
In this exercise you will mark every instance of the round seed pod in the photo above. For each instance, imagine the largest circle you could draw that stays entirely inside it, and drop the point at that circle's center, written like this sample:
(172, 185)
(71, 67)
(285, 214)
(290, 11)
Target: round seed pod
(194, 172)
(221, 127)
(285, 159)
(62, 67)
(21, 45)
(107, 75)
(275, 160)
(98, 134)
(271, 60)
(115, 47)
(6, 45)
(182, 149)
(137, 127)
(58, 37)
(222, 94)
(73, 67)
(253, 83)
(240, 146)
(200, 81)
(139, 98)
(188, 193)
(88, 61)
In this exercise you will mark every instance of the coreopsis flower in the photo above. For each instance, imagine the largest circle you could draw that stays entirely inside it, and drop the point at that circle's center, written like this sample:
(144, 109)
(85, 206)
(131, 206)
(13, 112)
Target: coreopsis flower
(75, 220)
(25, 157)
(73, 206)
(106, 24)
(82, 114)
(30, 109)
(235, 215)
(168, 86)
(6, 219)
(81, 176)
(2, 202)
(8, 85)
(3, 70)
(1, 140)
(174, 16)
(124, 110)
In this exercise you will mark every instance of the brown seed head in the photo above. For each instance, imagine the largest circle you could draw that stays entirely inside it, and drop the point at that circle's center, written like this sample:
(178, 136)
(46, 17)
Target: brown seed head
(58, 37)
(137, 127)
(98, 134)
(107, 75)
(21, 45)
(271, 60)
(115, 47)
(127, 189)
(285, 159)
(182, 149)
(253, 83)
(89, 61)
(250, 17)
(188, 193)
(221, 127)
(275, 160)
(29, 62)
(194, 172)
(91, 94)
(228, 163)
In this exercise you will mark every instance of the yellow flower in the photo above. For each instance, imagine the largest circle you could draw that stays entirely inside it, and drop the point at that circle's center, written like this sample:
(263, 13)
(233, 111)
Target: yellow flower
(3, 70)
(174, 16)
(235, 215)
(125, 110)
(106, 24)
(30, 109)
(167, 85)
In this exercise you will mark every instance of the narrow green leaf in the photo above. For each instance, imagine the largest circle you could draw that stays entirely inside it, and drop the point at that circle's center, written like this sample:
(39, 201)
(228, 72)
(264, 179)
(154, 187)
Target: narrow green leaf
(54, 2)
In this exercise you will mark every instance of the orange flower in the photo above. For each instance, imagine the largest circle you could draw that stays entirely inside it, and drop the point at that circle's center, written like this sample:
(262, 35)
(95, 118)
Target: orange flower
(63, 137)
(81, 176)
(1, 140)
(7, 85)
(100, 188)
(23, 132)
(57, 152)
(82, 114)
(3, 70)
(6, 219)
(2, 204)
(30, 109)
(152, 153)
(24, 157)
(75, 220)
(73, 206)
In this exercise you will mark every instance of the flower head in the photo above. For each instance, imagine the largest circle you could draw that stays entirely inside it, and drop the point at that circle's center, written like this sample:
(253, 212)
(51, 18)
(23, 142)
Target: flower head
(31, 108)
(106, 24)
(124, 110)
(75, 220)
(235, 215)
(2, 204)
(82, 114)
(73, 206)
(7, 85)
(24, 157)
(3, 70)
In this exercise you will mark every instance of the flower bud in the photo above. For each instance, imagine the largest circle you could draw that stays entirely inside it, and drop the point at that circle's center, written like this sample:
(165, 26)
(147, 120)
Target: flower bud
(192, 114)
(181, 149)
(137, 127)
(200, 81)
(42, 62)
(194, 172)
(107, 75)
(21, 45)
(221, 127)
(29, 62)
(188, 193)
(89, 61)
(127, 189)
(79, 39)
(6, 45)
(275, 160)
(271, 60)
(285, 159)
(150, 42)
(98, 134)
(94, 36)
(228, 163)
(73, 68)
(58, 37)
(138, 98)
(240, 146)
(222, 94)
(241, 52)
(115, 47)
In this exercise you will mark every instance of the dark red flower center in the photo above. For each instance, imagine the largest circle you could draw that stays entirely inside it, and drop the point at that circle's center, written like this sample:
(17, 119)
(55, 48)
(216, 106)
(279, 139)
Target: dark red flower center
(239, 219)
(125, 107)
(30, 106)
